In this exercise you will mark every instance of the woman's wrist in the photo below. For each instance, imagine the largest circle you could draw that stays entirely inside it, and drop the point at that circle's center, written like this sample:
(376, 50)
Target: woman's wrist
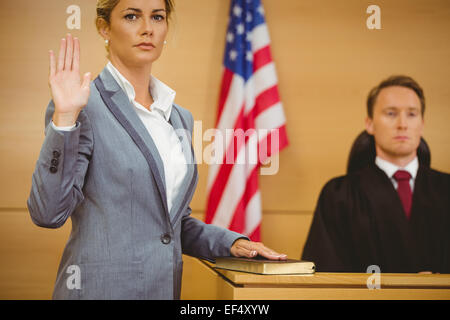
(64, 119)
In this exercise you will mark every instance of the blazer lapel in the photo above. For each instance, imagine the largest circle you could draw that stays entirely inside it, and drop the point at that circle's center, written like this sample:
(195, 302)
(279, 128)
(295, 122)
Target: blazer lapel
(188, 185)
(113, 97)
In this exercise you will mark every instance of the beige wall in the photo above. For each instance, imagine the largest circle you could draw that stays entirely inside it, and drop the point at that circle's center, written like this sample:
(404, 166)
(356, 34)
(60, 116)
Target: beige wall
(327, 60)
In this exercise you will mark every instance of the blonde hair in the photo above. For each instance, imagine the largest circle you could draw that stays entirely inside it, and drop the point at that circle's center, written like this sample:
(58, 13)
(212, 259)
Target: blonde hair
(104, 9)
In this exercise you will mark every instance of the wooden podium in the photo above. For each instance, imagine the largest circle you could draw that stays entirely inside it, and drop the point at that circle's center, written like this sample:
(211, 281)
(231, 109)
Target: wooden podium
(202, 281)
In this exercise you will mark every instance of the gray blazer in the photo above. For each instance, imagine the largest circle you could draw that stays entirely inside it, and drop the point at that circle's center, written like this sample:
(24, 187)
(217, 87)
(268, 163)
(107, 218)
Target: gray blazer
(108, 177)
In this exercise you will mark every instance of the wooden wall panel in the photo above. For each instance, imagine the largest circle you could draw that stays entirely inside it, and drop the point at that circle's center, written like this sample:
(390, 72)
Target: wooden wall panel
(30, 256)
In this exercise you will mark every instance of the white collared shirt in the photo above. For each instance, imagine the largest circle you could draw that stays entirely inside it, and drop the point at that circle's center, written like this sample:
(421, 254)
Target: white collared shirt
(390, 169)
(156, 122)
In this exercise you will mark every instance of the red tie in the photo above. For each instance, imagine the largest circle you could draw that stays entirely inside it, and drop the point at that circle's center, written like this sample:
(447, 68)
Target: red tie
(404, 190)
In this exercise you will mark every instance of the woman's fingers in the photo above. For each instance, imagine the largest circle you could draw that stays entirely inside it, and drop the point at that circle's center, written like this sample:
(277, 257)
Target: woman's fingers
(62, 55)
(69, 53)
(245, 248)
(244, 252)
(270, 254)
(76, 55)
(52, 63)
(86, 81)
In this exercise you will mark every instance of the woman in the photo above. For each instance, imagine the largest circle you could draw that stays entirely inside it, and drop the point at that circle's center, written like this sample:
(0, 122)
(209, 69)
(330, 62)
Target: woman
(112, 161)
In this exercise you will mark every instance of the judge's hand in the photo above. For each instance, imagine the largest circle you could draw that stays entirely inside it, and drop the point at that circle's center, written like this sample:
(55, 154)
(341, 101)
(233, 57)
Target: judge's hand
(249, 249)
(70, 93)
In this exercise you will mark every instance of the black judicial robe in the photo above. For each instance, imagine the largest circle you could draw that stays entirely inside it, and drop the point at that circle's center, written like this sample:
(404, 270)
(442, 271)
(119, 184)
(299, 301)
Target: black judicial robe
(359, 221)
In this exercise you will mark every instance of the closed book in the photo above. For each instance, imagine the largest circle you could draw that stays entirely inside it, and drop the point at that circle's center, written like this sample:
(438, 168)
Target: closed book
(264, 266)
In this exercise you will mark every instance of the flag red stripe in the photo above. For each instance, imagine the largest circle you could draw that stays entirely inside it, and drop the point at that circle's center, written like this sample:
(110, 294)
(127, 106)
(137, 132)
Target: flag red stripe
(261, 58)
(227, 78)
(265, 100)
(238, 221)
(264, 146)
(256, 234)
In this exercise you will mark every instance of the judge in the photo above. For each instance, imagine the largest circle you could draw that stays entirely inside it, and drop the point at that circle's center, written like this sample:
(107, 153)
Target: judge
(393, 212)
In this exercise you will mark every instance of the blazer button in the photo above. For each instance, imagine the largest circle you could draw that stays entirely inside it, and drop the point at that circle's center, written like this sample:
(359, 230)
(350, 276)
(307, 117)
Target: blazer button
(55, 161)
(53, 169)
(165, 238)
(56, 154)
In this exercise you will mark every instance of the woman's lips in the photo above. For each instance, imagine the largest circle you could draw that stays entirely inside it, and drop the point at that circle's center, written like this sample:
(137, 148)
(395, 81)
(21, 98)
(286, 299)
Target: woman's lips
(146, 46)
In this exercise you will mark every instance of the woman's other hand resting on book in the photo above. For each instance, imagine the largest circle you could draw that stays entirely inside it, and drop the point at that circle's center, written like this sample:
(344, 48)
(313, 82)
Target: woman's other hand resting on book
(249, 249)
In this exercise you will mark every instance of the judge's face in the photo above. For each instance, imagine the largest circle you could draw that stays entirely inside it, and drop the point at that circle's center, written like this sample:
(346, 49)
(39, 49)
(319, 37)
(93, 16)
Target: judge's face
(136, 31)
(397, 124)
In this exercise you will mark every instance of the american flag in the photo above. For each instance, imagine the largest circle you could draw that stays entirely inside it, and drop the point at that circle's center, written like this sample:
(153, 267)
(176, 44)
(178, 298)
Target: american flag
(250, 104)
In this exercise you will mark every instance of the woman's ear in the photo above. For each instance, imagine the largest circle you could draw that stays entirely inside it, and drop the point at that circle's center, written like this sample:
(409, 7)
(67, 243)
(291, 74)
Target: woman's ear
(103, 28)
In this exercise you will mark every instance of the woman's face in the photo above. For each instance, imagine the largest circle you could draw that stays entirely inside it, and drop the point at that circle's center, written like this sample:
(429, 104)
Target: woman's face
(137, 31)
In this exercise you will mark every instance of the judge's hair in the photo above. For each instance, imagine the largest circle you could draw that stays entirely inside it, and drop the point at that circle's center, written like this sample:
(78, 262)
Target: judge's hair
(399, 80)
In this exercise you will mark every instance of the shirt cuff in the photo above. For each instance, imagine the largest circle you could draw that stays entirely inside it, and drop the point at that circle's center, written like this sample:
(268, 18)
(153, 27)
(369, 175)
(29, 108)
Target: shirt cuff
(70, 128)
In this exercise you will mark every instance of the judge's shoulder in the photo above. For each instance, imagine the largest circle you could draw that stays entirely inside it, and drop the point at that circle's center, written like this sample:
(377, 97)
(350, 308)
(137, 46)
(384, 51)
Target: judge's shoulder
(439, 179)
(347, 182)
(436, 173)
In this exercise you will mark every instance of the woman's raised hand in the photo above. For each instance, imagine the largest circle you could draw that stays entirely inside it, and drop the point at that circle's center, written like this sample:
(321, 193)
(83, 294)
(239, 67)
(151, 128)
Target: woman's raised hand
(70, 93)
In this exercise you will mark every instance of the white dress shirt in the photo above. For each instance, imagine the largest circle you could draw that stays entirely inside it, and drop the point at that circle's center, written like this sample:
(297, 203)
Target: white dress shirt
(156, 122)
(390, 169)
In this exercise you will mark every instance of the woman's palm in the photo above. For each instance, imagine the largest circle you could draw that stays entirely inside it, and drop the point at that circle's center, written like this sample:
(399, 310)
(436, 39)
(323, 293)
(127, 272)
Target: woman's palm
(70, 93)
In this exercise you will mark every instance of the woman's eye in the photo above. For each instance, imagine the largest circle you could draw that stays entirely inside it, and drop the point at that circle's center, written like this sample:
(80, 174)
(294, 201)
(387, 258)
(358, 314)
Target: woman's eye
(158, 17)
(131, 16)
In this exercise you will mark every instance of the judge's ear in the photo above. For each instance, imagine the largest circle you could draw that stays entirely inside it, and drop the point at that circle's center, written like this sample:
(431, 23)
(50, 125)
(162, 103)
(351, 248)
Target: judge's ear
(369, 126)
(103, 28)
